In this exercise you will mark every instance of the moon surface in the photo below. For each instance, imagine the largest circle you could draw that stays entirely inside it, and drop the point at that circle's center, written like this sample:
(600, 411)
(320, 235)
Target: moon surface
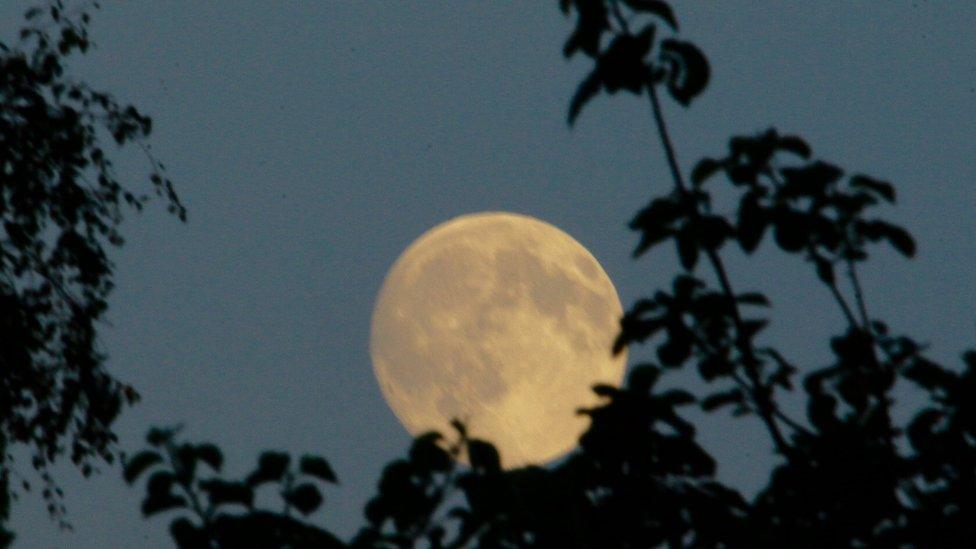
(502, 321)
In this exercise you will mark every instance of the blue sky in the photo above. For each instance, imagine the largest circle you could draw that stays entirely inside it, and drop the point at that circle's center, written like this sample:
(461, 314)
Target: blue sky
(313, 141)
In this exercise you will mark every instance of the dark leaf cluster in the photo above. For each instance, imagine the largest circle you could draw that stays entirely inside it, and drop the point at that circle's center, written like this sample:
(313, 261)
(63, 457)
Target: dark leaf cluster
(213, 510)
(61, 204)
(810, 207)
(631, 60)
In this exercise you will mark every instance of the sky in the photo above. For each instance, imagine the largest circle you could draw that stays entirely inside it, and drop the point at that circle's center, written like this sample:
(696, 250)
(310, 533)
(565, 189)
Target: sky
(313, 141)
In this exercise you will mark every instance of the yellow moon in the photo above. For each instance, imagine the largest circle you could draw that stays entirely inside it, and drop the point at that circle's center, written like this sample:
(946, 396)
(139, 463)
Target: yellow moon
(502, 321)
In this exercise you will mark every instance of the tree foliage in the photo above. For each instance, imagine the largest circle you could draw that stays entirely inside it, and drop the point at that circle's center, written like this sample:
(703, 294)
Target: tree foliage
(845, 474)
(211, 510)
(61, 204)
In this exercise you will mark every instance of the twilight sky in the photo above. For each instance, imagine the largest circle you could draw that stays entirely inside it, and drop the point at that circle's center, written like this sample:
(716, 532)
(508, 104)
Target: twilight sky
(313, 141)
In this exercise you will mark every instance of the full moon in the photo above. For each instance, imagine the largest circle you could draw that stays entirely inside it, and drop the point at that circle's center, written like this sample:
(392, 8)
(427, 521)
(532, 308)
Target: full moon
(502, 321)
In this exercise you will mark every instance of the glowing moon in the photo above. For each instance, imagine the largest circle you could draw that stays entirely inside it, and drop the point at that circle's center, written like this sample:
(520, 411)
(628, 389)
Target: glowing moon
(500, 320)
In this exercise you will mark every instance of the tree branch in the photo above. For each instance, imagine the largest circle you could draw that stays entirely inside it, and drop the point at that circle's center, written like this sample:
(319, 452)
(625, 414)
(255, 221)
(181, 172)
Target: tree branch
(758, 391)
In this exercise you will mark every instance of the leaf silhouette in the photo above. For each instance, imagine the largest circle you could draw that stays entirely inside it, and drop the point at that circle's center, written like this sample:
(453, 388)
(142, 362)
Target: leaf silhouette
(305, 497)
(138, 464)
(689, 72)
(318, 467)
(271, 468)
(655, 7)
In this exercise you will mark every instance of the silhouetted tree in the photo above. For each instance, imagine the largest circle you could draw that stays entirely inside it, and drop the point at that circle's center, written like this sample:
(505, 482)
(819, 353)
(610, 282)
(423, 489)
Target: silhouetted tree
(61, 204)
(846, 474)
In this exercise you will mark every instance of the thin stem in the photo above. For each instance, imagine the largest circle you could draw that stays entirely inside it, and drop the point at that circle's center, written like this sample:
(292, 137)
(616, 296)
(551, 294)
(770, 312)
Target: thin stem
(759, 393)
(832, 285)
(662, 130)
(839, 298)
(744, 385)
(195, 505)
(858, 296)
(615, 10)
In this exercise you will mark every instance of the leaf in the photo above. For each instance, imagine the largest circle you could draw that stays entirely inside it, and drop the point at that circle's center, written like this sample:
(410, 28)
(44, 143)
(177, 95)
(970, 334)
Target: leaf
(157, 504)
(792, 232)
(677, 348)
(969, 357)
(138, 464)
(305, 497)
(810, 180)
(715, 230)
(687, 246)
(795, 145)
(881, 188)
(930, 375)
(159, 495)
(271, 467)
(318, 467)
(921, 428)
(677, 397)
(752, 327)
(649, 238)
(587, 89)
(901, 240)
(657, 8)
(898, 237)
(427, 455)
(689, 72)
(459, 427)
(590, 25)
(221, 491)
(822, 412)
(654, 222)
(186, 534)
(633, 328)
(643, 377)
(484, 456)
(782, 376)
(605, 390)
(705, 168)
(753, 298)
(161, 482)
(211, 455)
(157, 436)
(722, 398)
(752, 222)
(714, 366)
(825, 270)
(621, 66)
(185, 464)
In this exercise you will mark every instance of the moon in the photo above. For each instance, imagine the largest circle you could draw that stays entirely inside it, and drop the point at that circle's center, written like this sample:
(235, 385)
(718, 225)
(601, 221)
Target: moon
(502, 321)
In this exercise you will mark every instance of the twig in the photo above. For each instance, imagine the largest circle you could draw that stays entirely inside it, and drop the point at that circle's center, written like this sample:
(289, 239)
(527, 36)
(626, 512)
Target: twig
(615, 9)
(859, 296)
(839, 298)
